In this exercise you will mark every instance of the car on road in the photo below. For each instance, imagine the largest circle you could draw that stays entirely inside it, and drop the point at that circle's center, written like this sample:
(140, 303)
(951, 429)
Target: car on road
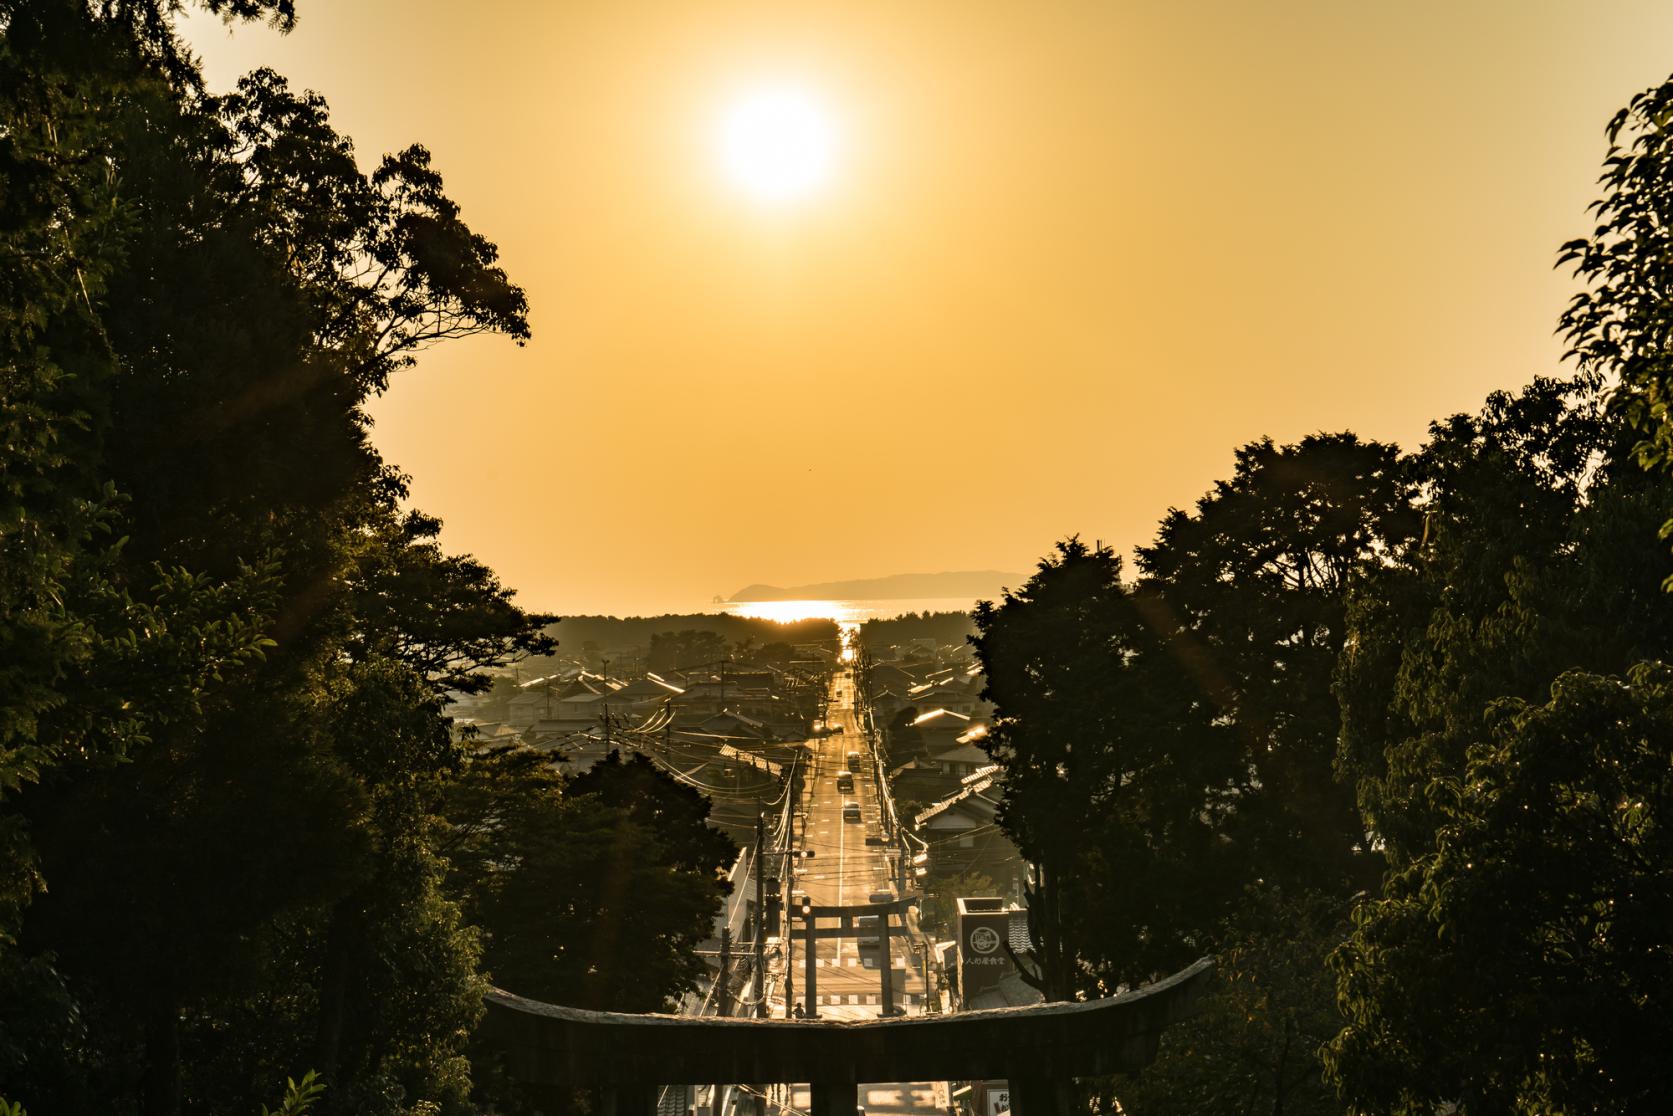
(850, 811)
(845, 782)
(872, 923)
(853, 761)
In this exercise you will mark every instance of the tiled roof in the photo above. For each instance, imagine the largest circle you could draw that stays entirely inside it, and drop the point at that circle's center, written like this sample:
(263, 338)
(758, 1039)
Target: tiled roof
(1018, 935)
(970, 790)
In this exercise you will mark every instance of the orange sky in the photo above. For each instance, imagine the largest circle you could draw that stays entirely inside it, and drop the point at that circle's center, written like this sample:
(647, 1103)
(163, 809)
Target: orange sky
(1072, 254)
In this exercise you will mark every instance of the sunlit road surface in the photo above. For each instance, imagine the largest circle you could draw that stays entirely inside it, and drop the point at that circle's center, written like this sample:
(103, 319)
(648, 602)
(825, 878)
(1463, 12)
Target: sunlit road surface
(847, 870)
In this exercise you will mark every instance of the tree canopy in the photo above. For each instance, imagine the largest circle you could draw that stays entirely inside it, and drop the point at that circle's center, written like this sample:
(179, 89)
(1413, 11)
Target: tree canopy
(1521, 963)
(227, 645)
(1114, 775)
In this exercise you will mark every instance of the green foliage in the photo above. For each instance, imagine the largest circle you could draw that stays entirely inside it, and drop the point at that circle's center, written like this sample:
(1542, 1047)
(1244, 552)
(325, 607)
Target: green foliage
(223, 649)
(1618, 328)
(615, 637)
(592, 894)
(1252, 590)
(300, 1096)
(1537, 561)
(945, 628)
(445, 616)
(689, 649)
(1522, 963)
(939, 910)
(1115, 779)
(1537, 556)
(1254, 1046)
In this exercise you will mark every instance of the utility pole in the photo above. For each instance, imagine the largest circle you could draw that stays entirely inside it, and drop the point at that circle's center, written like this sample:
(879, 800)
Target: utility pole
(790, 971)
(760, 966)
(792, 784)
(810, 977)
(725, 998)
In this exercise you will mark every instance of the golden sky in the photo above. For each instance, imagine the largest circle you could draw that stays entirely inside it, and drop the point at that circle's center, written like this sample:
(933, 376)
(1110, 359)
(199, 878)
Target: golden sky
(1069, 256)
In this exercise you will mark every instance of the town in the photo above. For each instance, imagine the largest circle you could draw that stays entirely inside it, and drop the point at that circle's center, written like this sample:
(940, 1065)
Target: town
(850, 774)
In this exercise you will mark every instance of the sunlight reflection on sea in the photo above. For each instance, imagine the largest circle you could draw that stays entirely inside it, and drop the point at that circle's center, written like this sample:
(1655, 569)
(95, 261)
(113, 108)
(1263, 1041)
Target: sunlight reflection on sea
(849, 614)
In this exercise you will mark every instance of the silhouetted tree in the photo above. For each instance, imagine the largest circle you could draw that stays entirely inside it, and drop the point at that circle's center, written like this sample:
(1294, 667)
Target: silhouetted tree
(1116, 780)
(222, 753)
(595, 893)
(1537, 556)
(1618, 328)
(685, 650)
(1254, 1045)
(1253, 588)
(1538, 568)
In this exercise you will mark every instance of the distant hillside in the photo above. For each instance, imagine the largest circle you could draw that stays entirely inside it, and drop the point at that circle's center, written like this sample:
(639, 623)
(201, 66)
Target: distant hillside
(970, 584)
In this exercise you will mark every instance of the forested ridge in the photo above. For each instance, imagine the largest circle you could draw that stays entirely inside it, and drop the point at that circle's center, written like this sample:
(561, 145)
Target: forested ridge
(239, 840)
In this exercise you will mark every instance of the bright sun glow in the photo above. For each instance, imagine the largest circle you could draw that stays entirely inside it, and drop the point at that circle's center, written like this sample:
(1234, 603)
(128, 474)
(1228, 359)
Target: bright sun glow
(788, 612)
(778, 144)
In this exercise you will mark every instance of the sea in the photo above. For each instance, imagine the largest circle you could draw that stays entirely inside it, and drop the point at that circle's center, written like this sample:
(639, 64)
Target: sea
(847, 613)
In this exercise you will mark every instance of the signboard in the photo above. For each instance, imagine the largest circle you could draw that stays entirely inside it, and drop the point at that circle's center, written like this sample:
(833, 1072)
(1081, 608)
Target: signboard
(983, 926)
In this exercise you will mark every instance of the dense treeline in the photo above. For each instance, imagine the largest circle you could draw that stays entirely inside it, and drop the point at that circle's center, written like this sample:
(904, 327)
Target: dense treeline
(1433, 681)
(238, 838)
(593, 636)
(1390, 733)
(941, 628)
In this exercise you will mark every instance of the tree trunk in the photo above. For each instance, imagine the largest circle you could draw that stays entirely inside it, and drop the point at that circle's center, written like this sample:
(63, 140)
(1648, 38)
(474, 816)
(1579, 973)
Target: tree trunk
(1279, 1088)
(1058, 954)
(162, 1059)
(335, 969)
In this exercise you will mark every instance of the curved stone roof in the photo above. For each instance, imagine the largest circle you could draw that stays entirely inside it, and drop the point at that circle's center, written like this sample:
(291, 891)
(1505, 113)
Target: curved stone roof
(551, 1046)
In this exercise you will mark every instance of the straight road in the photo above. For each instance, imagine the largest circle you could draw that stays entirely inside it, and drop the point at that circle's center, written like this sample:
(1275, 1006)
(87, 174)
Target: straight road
(847, 870)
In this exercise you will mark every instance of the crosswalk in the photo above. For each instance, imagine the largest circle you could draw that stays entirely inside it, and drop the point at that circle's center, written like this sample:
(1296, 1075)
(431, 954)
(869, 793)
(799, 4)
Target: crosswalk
(867, 999)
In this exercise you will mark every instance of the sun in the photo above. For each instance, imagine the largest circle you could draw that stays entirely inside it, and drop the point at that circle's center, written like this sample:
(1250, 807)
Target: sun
(778, 144)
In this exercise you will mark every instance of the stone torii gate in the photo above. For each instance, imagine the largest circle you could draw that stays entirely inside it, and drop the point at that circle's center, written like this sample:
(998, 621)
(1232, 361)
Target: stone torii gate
(850, 915)
(552, 1050)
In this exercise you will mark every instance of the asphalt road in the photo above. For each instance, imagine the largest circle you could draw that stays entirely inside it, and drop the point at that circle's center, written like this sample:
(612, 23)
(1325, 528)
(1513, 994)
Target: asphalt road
(847, 870)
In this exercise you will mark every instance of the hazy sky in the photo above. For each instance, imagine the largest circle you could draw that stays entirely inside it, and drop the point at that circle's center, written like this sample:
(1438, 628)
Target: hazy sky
(1069, 256)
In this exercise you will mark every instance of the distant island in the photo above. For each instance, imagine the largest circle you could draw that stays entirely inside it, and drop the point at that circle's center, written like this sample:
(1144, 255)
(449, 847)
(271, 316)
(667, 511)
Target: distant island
(970, 584)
